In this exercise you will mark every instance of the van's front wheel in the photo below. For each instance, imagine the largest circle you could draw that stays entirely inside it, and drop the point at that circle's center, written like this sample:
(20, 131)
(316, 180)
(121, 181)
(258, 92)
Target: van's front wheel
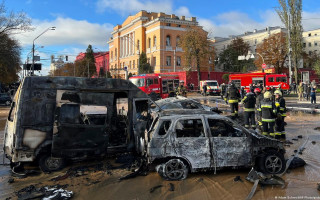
(50, 164)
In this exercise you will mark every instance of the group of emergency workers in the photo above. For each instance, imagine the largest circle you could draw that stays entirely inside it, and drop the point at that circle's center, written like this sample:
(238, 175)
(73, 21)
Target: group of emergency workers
(268, 106)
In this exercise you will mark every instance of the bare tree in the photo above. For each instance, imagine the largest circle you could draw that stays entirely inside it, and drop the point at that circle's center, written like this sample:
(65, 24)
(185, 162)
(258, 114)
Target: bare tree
(290, 14)
(197, 48)
(274, 50)
(11, 23)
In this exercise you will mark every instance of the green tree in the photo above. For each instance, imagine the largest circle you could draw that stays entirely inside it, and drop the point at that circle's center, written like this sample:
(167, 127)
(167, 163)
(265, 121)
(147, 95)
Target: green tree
(316, 67)
(290, 14)
(9, 59)
(90, 61)
(109, 74)
(225, 77)
(229, 57)
(144, 66)
(197, 48)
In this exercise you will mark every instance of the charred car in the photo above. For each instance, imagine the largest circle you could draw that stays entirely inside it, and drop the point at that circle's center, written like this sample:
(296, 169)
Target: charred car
(180, 102)
(54, 119)
(180, 141)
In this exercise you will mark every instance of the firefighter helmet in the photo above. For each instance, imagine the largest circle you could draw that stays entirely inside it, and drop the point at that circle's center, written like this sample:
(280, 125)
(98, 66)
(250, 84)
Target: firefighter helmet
(248, 90)
(257, 90)
(268, 88)
(267, 95)
(278, 92)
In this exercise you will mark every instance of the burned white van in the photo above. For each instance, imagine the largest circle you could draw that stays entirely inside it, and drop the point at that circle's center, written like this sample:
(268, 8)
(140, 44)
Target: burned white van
(54, 119)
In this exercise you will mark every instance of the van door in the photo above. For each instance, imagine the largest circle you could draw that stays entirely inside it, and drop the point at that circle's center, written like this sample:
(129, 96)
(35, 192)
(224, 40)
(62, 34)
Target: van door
(82, 124)
(82, 130)
(141, 120)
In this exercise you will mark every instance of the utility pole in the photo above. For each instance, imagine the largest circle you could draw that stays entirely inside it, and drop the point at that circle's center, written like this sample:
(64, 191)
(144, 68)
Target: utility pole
(289, 46)
(88, 69)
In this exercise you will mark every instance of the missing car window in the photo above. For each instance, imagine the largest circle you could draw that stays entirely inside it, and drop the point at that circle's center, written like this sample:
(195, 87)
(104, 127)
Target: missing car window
(190, 128)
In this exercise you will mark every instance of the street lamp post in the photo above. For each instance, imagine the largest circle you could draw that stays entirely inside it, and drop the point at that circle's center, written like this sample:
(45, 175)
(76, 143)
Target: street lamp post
(50, 28)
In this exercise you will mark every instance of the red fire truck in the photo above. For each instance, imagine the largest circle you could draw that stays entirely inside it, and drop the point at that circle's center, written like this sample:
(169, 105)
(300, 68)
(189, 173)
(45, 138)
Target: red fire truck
(260, 78)
(156, 85)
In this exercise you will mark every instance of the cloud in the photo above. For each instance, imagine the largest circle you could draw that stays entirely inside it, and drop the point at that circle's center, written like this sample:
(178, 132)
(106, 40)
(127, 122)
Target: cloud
(183, 11)
(236, 23)
(68, 32)
(132, 6)
(310, 20)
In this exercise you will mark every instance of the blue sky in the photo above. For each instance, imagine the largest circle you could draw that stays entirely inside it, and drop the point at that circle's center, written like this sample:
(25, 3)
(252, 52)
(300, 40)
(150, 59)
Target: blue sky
(83, 22)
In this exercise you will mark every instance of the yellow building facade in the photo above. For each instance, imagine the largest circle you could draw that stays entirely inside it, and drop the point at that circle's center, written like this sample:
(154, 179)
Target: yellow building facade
(156, 34)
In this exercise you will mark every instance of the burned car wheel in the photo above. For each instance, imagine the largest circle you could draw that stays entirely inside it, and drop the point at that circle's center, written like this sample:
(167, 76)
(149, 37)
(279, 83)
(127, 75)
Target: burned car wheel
(174, 169)
(50, 164)
(272, 163)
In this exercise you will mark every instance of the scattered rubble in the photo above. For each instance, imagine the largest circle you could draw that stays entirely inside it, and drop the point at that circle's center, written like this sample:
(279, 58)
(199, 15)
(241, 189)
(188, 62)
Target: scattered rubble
(237, 178)
(171, 187)
(296, 162)
(11, 180)
(300, 136)
(154, 188)
(56, 192)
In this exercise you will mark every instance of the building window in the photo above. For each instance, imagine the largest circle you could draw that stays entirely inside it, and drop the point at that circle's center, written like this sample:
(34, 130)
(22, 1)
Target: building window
(154, 61)
(168, 41)
(168, 60)
(115, 66)
(178, 25)
(133, 64)
(138, 44)
(148, 60)
(178, 61)
(310, 52)
(111, 55)
(309, 34)
(123, 65)
(149, 42)
(255, 41)
(120, 65)
(315, 34)
(304, 44)
(315, 44)
(154, 41)
(178, 41)
(129, 64)
(168, 24)
(111, 66)
(115, 54)
(309, 44)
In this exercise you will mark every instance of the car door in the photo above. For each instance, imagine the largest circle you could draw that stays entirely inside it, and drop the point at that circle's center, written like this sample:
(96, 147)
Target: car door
(191, 141)
(231, 146)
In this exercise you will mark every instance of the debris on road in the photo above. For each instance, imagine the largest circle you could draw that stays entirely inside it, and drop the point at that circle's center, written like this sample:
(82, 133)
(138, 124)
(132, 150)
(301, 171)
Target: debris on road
(154, 188)
(11, 180)
(237, 178)
(171, 187)
(300, 136)
(46, 193)
(297, 162)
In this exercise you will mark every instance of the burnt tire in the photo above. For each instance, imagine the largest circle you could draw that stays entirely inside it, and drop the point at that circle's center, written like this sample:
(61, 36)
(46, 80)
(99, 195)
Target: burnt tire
(272, 162)
(50, 164)
(175, 169)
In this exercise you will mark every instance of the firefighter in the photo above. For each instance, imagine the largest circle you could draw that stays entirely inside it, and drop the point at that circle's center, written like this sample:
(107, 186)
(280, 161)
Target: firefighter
(259, 98)
(268, 114)
(249, 102)
(280, 104)
(233, 97)
(181, 90)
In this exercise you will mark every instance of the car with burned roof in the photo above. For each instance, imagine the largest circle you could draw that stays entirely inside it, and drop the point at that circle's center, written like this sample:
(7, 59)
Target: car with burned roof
(56, 119)
(180, 102)
(180, 141)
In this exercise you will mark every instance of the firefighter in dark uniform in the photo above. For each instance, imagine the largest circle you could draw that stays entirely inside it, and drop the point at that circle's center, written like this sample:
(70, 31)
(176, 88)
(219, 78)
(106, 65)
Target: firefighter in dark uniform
(268, 114)
(181, 90)
(232, 97)
(223, 90)
(259, 98)
(249, 102)
(280, 104)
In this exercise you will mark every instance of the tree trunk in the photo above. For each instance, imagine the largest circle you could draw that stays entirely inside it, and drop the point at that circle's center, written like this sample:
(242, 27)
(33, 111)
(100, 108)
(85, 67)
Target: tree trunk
(198, 70)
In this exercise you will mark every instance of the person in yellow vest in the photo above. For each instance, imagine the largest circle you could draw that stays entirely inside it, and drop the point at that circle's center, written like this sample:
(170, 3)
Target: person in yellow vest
(280, 104)
(249, 103)
(268, 114)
